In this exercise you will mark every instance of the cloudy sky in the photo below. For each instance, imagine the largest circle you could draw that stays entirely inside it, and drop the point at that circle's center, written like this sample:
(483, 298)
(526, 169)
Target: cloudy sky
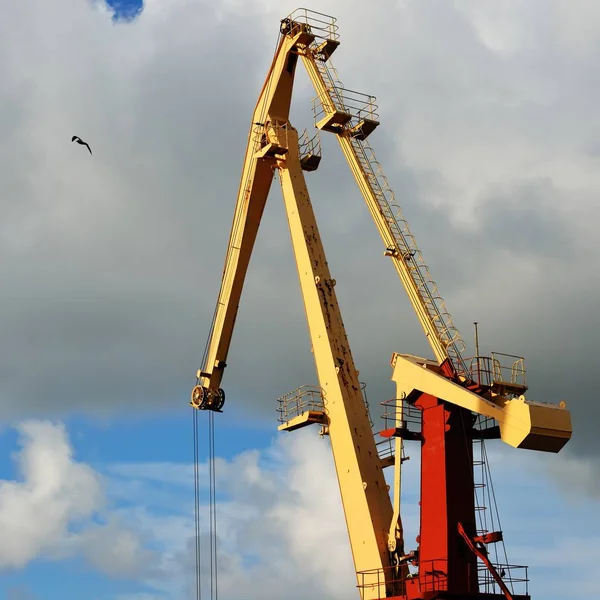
(490, 137)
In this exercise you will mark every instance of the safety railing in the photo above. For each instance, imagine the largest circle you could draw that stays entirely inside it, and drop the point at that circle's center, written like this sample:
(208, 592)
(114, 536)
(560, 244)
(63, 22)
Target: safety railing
(309, 146)
(499, 370)
(397, 412)
(479, 370)
(259, 136)
(515, 373)
(300, 400)
(363, 390)
(274, 133)
(484, 425)
(515, 577)
(432, 576)
(322, 26)
(310, 398)
(360, 106)
(385, 448)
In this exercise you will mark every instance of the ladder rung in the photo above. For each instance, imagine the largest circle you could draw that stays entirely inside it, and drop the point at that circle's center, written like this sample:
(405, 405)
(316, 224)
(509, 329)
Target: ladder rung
(384, 196)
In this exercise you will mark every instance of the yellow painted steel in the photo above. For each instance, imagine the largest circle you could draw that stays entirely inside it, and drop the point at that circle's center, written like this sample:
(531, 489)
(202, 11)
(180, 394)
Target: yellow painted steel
(395, 533)
(273, 145)
(257, 175)
(364, 491)
(374, 525)
(523, 424)
(323, 91)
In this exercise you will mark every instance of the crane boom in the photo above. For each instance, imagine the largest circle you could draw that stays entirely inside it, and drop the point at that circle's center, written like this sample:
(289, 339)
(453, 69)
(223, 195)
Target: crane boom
(255, 184)
(364, 491)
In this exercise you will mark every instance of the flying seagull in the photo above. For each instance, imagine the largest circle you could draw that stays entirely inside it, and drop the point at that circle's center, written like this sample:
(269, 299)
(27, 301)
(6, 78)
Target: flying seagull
(77, 139)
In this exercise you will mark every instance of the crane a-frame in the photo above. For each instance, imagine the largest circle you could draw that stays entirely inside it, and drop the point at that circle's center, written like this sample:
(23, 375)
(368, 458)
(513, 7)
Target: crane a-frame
(457, 401)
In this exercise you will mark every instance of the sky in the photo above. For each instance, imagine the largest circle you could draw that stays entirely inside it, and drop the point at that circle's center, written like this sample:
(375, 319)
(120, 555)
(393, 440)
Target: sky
(111, 266)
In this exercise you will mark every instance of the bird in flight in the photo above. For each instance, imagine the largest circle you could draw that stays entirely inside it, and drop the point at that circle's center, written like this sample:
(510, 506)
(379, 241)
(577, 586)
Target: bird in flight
(77, 139)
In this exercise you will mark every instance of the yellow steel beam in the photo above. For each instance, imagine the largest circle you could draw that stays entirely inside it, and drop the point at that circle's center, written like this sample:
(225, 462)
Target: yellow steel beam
(322, 90)
(523, 424)
(257, 175)
(364, 491)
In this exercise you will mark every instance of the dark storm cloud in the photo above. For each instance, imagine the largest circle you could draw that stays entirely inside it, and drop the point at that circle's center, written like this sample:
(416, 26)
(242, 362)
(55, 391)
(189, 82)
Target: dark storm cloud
(527, 219)
(111, 266)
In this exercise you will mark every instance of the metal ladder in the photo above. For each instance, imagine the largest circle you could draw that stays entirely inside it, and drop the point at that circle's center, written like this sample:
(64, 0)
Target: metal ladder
(405, 242)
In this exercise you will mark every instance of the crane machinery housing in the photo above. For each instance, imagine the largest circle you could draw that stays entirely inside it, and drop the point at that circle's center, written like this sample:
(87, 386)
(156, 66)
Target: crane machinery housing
(446, 404)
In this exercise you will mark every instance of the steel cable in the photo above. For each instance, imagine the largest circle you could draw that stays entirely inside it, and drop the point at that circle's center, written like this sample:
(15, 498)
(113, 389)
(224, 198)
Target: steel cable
(197, 505)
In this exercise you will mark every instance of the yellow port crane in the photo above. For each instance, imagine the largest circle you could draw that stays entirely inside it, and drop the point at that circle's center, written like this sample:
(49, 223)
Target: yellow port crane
(455, 400)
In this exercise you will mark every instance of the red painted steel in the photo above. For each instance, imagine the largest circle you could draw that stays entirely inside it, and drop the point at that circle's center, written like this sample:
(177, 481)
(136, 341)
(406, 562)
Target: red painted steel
(447, 496)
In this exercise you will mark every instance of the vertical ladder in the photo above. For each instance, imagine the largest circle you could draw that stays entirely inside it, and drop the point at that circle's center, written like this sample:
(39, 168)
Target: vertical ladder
(404, 243)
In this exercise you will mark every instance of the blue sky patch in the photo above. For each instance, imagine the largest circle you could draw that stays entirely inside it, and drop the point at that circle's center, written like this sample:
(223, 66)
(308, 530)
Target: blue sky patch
(126, 10)
(146, 467)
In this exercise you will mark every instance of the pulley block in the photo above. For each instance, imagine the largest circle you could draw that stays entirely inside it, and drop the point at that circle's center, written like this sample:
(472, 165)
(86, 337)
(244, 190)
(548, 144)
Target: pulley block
(206, 399)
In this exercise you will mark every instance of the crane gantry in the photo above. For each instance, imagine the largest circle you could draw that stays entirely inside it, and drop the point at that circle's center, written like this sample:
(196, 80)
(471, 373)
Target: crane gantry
(457, 400)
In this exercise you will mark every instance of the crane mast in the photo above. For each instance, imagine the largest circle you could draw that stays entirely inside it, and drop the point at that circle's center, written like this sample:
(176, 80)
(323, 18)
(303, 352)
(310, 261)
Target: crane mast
(456, 401)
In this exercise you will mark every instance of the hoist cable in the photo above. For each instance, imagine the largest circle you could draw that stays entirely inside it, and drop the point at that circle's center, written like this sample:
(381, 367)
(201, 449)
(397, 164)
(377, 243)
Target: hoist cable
(210, 510)
(215, 510)
(197, 504)
(237, 223)
(213, 507)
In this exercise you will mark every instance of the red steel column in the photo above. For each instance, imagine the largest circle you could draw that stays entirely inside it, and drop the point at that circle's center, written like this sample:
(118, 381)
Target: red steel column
(447, 498)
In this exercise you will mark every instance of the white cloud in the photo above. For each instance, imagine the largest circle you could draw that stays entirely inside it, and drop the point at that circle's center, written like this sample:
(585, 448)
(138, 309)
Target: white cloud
(280, 521)
(116, 549)
(280, 510)
(281, 524)
(55, 492)
(20, 593)
(51, 509)
(577, 476)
